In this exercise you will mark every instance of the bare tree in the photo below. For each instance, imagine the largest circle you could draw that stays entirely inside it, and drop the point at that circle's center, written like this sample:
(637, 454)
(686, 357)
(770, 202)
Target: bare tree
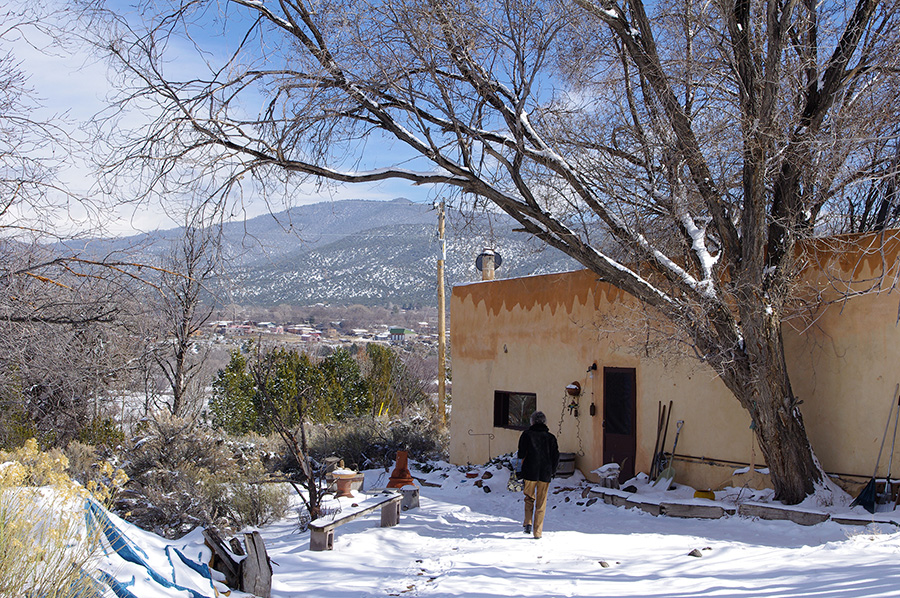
(31, 142)
(61, 348)
(873, 205)
(186, 302)
(679, 150)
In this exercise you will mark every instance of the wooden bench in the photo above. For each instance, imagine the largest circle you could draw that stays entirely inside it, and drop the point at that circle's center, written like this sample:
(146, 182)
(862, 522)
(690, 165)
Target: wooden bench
(321, 531)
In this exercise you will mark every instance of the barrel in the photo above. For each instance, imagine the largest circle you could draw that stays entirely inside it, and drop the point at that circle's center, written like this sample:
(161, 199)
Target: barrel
(566, 465)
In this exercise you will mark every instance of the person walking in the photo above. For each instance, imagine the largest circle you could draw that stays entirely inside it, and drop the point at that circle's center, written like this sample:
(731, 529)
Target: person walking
(539, 453)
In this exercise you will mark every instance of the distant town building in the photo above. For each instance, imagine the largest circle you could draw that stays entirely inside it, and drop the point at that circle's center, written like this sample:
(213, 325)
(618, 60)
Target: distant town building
(306, 333)
(401, 335)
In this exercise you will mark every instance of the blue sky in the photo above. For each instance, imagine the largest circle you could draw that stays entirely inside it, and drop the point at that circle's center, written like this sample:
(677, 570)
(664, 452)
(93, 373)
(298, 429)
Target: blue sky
(76, 84)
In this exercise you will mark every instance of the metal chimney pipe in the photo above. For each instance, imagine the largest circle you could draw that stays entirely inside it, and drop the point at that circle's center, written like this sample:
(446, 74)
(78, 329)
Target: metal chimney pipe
(487, 264)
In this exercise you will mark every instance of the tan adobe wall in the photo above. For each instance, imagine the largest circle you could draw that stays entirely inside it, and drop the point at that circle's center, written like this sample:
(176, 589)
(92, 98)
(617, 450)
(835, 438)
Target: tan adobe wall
(538, 334)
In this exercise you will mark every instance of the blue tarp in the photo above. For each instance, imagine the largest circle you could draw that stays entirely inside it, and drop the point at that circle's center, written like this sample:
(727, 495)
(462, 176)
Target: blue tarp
(98, 517)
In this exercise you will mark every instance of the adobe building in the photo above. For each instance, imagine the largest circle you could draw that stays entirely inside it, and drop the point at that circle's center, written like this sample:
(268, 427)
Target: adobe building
(579, 349)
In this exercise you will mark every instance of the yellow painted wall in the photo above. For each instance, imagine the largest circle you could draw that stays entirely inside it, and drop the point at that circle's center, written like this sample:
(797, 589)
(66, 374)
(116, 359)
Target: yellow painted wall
(538, 334)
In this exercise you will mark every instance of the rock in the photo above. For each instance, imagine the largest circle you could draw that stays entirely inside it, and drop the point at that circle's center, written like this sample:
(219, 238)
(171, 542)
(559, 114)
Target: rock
(693, 511)
(630, 488)
(486, 489)
(479, 483)
(592, 501)
(604, 564)
(695, 552)
(487, 475)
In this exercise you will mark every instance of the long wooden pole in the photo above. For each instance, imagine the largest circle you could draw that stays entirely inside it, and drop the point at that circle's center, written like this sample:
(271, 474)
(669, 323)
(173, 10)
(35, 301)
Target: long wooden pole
(442, 327)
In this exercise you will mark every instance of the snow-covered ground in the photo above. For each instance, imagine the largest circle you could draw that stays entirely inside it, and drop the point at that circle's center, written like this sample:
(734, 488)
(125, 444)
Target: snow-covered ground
(463, 541)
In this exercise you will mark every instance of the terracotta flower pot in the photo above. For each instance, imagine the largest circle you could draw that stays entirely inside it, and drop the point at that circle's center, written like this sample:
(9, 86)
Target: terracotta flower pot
(343, 479)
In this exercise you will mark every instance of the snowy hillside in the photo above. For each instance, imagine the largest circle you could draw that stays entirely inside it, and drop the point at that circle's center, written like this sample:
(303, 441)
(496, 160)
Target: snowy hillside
(465, 541)
(351, 252)
(465, 538)
(395, 264)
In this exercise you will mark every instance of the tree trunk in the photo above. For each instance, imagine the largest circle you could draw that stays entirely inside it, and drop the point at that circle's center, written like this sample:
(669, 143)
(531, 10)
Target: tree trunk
(178, 383)
(782, 438)
(759, 379)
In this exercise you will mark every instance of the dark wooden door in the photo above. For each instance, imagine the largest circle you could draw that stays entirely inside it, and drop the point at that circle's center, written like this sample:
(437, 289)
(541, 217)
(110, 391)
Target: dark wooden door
(619, 419)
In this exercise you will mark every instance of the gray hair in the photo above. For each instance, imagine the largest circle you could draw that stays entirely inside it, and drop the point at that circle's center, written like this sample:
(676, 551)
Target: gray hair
(538, 417)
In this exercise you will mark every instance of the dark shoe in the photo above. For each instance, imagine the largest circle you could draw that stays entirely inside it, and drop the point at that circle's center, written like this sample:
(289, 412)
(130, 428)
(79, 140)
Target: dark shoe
(527, 528)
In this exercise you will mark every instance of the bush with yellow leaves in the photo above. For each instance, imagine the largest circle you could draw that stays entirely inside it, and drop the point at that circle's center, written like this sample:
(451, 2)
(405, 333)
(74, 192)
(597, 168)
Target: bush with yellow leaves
(45, 548)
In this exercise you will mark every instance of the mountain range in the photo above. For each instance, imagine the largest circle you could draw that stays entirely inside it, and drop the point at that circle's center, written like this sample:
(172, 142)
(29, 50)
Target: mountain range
(356, 252)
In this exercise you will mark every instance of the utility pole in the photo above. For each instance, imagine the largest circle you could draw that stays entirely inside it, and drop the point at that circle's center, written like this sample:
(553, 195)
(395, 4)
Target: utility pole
(442, 327)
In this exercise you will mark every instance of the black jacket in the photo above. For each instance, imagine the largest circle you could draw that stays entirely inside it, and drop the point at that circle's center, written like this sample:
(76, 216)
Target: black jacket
(539, 453)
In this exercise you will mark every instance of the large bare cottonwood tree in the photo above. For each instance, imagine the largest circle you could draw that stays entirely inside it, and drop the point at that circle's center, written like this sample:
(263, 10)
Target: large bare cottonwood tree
(680, 150)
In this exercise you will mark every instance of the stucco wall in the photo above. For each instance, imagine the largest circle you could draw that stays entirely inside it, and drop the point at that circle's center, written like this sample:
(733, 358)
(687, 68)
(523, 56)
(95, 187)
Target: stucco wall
(844, 353)
(538, 334)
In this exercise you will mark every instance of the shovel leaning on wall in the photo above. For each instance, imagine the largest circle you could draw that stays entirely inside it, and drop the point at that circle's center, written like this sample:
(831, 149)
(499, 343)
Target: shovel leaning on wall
(866, 497)
(659, 461)
(665, 478)
(660, 418)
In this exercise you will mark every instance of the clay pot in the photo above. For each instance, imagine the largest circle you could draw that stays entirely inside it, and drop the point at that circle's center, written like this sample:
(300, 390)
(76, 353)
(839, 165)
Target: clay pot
(343, 479)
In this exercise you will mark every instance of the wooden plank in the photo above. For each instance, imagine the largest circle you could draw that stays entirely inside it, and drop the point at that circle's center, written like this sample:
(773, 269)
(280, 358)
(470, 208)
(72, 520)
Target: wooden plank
(615, 500)
(774, 513)
(611, 496)
(852, 519)
(647, 507)
(222, 560)
(256, 569)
